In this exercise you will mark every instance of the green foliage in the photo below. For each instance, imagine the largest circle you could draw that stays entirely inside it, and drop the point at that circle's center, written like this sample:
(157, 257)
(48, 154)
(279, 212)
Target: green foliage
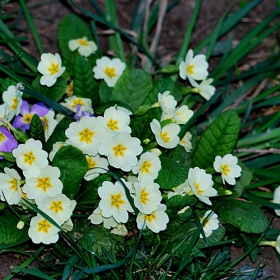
(132, 88)
(218, 139)
(243, 215)
(73, 167)
(37, 129)
(9, 234)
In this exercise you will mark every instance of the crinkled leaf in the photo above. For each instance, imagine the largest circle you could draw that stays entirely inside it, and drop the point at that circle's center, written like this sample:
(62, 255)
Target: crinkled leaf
(58, 134)
(9, 234)
(243, 181)
(73, 166)
(132, 88)
(84, 83)
(218, 139)
(172, 174)
(73, 27)
(215, 237)
(105, 92)
(37, 129)
(243, 215)
(54, 92)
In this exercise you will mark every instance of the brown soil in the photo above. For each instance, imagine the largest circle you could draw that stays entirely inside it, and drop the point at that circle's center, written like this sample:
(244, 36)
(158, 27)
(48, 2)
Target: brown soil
(48, 14)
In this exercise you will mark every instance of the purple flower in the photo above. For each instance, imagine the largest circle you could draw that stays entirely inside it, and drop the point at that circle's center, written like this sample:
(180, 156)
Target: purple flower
(79, 114)
(7, 141)
(26, 113)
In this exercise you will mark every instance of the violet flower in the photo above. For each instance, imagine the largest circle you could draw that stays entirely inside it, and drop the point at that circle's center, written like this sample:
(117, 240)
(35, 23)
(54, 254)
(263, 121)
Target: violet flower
(26, 113)
(79, 114)
(7, 141)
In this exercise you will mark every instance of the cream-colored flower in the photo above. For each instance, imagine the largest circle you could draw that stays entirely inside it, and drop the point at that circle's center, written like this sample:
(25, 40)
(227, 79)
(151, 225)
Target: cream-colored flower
(182, 114)
(73, 101)
(194, 67)
(108, 69)
(114, 202)
(96, 218)
(51, 69)
(96, 165)
(167, 136)
(186, 143)
(12, 97)
(227, 165)
(30, 157)
(84, 47)
(201, 184)
(276, 199)
(204, 88)
(42, 231)
(121, 150)
(211, 224)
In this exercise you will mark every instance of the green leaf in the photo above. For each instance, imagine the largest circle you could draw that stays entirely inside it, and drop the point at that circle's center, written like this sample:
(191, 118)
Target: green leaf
(9, 234)
(215, 237)
(37, 129)
(84, 83)
(55, 92)
(72, 27)
(243, 215)
(243, 181)
(73, 166)
(105, 92)
(172, 174)
(58, 134)
(132, 88)
(218, 139)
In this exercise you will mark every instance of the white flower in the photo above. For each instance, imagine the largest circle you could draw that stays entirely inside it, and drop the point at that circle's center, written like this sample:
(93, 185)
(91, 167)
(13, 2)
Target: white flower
(201, 184)
(51, 69)
(168, 114)
(96, 218)
(204, 88)
(85, 47)
(121, 150)
(166, 101)
(85, 134)
(156, 221)
(30, 157)
(115, 121)
(167, 136)
(120, 230)
(5, 113)
(56, 147)
(186, 143)
(57, 207)
(12, 97)
(182, 114)
(108, 69)
(182, 189)
(194, 67)
(96, 165)
(73, 101)
(276, 199)
(148, 164)
(228, 167)
(114, 202)
(49, 123)
(10, 186)
(147, 195)
(46, 184)
(211, 224)
(275, 244)
(42, 231)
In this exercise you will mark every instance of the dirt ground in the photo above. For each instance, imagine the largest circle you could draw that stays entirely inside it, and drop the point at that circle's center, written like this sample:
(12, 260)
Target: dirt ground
(48, 14)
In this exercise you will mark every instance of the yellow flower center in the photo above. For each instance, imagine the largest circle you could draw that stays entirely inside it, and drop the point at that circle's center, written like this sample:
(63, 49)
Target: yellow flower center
(45, 123)
(29, 158)
(144, 196)
(119, 150)
(145, 167)
(164, 136)
(116, 200)
(225, 169)
(14, 185)
(206, 223)
(56, 206)
(44, 226)
(44, 184)
(190, 69)
(86, 135)
(76, 102)
(15, 103)
(2, 137)
(27, 118)
(197, 186)
(91, 163)
(113, 124)
(150, 217)
(53, 69)
(83, 42)
(110, 72)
